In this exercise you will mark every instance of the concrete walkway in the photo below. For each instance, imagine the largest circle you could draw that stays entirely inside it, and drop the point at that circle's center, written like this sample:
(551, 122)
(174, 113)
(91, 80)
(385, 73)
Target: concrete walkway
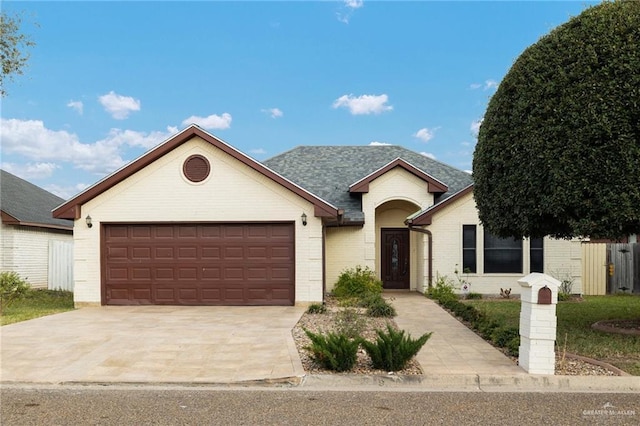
(452, 348)
(153, 344)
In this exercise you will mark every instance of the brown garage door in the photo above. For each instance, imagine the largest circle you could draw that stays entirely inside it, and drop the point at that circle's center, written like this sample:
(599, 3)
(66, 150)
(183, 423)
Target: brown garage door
(198, 264)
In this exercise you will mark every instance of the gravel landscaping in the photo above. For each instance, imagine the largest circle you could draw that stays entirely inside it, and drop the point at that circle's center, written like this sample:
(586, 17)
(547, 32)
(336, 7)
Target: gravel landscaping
(332, 321)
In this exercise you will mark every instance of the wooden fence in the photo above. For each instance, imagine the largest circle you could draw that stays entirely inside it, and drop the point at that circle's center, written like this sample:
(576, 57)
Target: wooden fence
(624, 268)
(60, 276)
(594, 269)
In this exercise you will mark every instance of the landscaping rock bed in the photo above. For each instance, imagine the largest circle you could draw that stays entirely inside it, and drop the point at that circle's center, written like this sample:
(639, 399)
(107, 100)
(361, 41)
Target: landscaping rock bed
(329, 322)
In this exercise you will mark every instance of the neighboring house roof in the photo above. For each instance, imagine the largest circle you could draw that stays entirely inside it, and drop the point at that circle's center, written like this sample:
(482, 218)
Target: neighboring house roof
(23, 203)
(425, 216)
(71, 208)
(331, 171)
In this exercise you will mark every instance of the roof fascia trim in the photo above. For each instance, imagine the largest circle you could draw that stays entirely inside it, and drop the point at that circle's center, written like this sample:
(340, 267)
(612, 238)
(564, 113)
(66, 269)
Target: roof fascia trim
(425, 217)
(434, 185)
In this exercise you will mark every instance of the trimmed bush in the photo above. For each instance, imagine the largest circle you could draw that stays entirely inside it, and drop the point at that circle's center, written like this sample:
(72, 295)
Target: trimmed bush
(503, 335)
(333, 351)
(357, 283)
(393, 349)
(474, 296)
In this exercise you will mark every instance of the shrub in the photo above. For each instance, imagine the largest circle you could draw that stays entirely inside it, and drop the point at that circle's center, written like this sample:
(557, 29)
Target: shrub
(513, 346)
(380, 308)
(12, 288)
(392, 350)
(443, 290)
(316, 308)
(501, 336)
(350, 323)
(474, 296)
(333, 351)
(356, 283)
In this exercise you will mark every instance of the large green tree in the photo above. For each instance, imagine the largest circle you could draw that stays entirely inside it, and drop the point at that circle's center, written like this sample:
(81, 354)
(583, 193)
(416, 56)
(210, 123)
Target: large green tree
(13, 48)
(558, 152)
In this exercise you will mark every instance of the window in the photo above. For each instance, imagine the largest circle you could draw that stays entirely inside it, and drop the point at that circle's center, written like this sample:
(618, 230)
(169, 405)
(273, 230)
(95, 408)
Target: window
(502, 255)
(536, 255)
(469, 249)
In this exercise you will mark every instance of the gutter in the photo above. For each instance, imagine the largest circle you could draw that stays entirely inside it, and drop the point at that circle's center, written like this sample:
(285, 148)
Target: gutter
(430, 245)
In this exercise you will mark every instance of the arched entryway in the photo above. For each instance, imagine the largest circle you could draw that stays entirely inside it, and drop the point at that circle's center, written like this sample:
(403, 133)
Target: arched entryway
(396, 248)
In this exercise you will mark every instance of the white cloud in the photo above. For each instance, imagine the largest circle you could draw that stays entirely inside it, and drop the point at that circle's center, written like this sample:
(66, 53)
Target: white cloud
(32, 140)
(273, 112)
(212, 121)
(77, 105)
(30, 171)
(428, 155)
(425, 134)
(257, 151)
(488, 84)
(475, 127)
(66, 192)
(469, 171)
(375, 143)
(119, 106)
(365, 104)
(348, 7)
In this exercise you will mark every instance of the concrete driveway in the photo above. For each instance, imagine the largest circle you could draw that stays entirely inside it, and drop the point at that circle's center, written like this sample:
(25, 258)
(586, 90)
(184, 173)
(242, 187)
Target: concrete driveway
(161, 344)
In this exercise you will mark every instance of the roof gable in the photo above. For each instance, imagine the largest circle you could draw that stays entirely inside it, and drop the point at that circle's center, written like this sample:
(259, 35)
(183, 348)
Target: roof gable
(328, 171)
(434, 185)
(71, 208)
(425, 216)
(23, 203)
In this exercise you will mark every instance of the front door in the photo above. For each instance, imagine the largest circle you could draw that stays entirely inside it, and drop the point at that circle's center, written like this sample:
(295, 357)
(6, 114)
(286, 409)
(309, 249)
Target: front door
(395, 258)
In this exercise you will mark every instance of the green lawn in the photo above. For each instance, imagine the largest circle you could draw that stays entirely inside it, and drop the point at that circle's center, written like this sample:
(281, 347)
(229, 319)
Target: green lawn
(574, 322)
(37, 303)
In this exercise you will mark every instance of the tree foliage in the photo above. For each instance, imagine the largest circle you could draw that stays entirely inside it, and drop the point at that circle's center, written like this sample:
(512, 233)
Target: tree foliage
(13, 48)
(558, 151)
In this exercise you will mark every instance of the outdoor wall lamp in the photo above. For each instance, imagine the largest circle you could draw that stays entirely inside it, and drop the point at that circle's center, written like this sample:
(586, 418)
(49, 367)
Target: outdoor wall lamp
(88, 221)
(304, 219)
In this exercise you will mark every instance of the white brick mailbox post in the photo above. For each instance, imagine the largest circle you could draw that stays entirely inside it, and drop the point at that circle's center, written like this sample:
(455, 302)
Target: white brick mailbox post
(539, 296)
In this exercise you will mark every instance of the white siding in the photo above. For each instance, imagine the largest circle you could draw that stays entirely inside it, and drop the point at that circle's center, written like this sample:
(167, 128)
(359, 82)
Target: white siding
(60, 265)
(560, 256)
(25, 250)
(233, 192)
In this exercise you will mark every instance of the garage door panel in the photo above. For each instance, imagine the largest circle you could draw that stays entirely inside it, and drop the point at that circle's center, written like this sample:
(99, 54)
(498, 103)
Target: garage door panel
(199, 264)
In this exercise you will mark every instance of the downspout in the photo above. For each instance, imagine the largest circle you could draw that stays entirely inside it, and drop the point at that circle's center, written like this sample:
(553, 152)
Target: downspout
(429, 245)
(324, 262)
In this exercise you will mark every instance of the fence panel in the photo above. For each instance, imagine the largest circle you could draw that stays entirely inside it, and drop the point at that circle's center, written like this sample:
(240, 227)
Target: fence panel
(621, 256)
(60, 265)
(594, 269)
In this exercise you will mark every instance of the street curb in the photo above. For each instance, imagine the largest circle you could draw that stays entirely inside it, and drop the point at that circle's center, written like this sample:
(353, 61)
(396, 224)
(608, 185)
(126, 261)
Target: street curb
(476, 382)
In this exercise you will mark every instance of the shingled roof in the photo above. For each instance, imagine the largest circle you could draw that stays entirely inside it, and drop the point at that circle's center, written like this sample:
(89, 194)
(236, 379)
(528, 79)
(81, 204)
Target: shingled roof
(328, 171)
(23, 203)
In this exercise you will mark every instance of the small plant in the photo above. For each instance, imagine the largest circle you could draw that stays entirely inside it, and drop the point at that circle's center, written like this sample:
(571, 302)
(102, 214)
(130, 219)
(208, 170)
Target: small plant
(316, 308)
(505, 293)
(333, 351)
(474, 296)
(443, 289)
(356, 283)
(392, 349)
(380, 308)
(350, 323)
(12, 288)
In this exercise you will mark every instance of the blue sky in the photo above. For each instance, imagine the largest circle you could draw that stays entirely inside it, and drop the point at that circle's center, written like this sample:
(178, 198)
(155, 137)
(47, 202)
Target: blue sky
(109, 80)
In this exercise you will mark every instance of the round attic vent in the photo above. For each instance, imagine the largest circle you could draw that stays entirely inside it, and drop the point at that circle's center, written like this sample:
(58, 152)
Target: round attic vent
(196, 168)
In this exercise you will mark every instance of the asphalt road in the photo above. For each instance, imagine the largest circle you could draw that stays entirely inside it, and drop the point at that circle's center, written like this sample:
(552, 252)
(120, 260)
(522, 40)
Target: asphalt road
(94, 405)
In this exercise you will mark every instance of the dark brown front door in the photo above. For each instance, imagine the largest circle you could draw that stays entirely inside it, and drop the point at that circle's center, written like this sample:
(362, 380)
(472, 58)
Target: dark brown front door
(395, 258)
(198, 264)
